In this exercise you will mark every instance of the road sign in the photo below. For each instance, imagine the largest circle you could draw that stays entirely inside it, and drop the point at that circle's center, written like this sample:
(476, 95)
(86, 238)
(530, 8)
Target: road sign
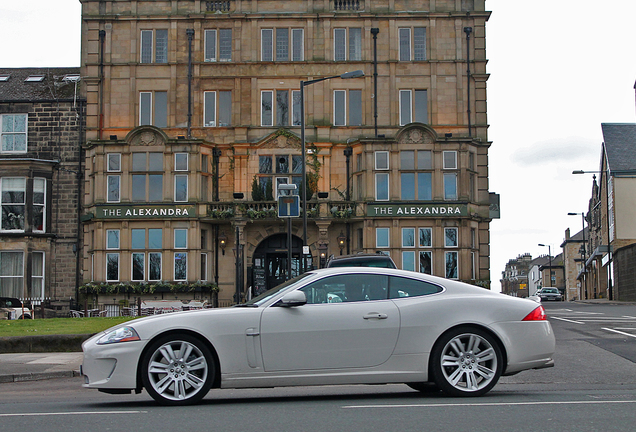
(288, 206)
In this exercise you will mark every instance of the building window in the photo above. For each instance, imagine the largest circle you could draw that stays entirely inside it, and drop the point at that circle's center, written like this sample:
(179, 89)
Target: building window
(181, 188)
(426, 262)
(11, 274)
(416, 185)
(13, 133)
(155, 240)
(112, 267)
(450, 186)
(138, 238)
(204, 267)
(153, 112)
(412, 43)
(408, 237)
(450, 159)
(114, 188)
(39, 205)
(218, 41)
(217, 108)
(37, 276)
(147, 187)
(180, 238)
(113, 162)
(382, 186)
(382, 160)
(138, 266)
(413, 106)
(280, 111)
(13, 203)
(347, 50)
(181, 162)
(354, 110)
(450, 237)
(382, 239)
(426, 237)
(451, 265)
(158, 39)
(154, 266)
(408, 260)
(180, 266)
(112, 239)
(289, 44)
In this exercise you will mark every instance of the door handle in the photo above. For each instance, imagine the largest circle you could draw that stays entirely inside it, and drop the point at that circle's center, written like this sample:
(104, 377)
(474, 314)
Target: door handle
(375, 315)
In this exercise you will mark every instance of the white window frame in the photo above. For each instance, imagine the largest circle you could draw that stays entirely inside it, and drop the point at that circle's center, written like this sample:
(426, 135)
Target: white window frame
(388, 183)
(378, 165)
(174, 266)
(267, 56)
(406, 118)
(43, 205)
(175, 238)
(118, 239)
(419, 236)
(343, 94)
(454, 157)
(160, 265)
(405, 232)
(108, 197)
(13, 204)
(345, 35)
(152, 104)
(207, 48)
(426, 252)
(118, 266)
(446, 244)
(116, 156)
(153, 46)
(176, 162)
(14, 276)
(412, 254)
(176, 178)
(388, 236)
(132, 266)
(446, 254)
(3, 135)
(273, 114)
(408, 53)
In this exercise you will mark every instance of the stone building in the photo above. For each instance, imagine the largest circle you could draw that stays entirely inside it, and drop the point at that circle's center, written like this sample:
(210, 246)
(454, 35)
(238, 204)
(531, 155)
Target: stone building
(574, 256)
(514, 278)
(194, 119)
(611, 214)
(41, 115)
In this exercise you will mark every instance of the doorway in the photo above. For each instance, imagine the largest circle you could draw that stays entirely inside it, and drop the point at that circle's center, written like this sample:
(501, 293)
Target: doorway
(269, 264)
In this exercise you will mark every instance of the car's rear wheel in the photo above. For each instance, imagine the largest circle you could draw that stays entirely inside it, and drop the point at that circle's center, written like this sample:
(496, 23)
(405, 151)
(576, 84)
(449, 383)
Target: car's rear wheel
(466, 362)
(178, 370)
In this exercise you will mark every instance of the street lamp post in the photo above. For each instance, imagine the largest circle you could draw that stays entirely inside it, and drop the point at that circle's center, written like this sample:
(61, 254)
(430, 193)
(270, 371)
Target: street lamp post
(550, 258)
(584, 287)
(303, 195)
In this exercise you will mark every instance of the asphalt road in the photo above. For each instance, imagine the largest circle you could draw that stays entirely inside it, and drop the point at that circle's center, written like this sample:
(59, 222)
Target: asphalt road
(591, 388)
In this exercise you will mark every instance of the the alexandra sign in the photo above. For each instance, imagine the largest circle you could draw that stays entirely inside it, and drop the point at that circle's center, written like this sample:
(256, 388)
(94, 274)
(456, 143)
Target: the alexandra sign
(417, 210)
(144, 211)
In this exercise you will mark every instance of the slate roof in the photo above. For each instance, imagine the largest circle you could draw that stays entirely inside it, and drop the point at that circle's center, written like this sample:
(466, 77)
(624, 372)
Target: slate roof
(620, 145)
(52, 87)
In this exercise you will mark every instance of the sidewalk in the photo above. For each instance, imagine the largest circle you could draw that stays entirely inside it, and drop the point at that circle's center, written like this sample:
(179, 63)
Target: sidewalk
(38, 366)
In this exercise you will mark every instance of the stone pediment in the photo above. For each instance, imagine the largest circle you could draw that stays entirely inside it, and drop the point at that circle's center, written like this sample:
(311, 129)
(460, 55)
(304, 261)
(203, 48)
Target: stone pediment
(416, 133)
(281, 139)
(146, 136)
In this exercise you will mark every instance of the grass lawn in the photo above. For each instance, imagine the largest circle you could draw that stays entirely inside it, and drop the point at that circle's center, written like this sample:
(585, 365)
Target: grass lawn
(58, 326)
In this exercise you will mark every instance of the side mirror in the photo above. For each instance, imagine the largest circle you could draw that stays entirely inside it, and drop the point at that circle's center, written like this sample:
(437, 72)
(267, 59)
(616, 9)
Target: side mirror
(294, 298)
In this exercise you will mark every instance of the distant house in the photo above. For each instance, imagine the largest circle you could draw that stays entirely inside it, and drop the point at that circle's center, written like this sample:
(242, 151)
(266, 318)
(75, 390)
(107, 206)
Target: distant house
(41, 131)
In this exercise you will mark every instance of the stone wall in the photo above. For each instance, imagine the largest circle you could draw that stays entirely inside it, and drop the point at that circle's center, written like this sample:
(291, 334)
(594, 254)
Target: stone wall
(625, 273)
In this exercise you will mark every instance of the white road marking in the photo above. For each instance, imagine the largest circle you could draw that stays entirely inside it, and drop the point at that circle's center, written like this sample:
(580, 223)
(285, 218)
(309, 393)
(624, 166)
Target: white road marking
(71, 413)
(619, 332)
(567, 320)
(489, 404)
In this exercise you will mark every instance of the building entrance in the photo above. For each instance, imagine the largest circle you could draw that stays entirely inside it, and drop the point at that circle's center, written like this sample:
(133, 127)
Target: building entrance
(269, 264)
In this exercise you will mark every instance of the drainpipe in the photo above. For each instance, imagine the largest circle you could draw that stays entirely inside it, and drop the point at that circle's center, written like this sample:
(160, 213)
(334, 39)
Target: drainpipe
(348, 152)
(374, 32)
(102, 39)
(190, 33)
(468, 31)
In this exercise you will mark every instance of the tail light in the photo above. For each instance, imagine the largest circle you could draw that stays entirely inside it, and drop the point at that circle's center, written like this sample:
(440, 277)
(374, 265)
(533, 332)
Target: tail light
(536, 315)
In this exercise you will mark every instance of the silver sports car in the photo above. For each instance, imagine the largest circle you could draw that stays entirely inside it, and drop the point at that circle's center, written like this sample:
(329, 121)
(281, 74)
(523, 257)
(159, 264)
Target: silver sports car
(331, 326)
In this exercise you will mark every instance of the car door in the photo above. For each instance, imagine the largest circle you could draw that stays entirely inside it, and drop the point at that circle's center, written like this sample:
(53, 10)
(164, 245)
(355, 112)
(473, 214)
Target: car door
(360, 330)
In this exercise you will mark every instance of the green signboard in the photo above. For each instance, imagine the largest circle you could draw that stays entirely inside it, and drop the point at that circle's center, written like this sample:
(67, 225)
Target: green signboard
(417, 210)
(145, 211)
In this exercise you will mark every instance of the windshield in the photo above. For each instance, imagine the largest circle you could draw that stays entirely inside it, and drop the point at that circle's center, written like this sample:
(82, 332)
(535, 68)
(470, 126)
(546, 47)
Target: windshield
(549, 290)
(257, 301)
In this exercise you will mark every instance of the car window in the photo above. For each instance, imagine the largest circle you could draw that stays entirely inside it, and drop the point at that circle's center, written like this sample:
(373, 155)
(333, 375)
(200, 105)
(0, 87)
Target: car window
(347, 288)
(403, 287)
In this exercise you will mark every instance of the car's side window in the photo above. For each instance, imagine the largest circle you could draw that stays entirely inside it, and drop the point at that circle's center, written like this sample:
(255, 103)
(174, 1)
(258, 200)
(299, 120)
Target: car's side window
(404, 287)
(347, 288)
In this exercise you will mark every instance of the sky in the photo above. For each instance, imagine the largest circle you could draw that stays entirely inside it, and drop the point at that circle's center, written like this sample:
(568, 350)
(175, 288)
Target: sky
(558, 69)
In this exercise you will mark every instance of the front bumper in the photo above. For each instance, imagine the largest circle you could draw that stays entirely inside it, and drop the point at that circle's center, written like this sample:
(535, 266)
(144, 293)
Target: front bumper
(112, 366)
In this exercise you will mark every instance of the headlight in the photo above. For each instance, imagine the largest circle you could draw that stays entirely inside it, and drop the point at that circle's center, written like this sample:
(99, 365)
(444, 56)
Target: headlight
(122, 334)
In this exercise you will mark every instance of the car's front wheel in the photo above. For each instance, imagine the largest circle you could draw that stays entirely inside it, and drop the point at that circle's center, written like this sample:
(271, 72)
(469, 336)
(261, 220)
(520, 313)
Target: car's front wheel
(466, 362)
(178, 370)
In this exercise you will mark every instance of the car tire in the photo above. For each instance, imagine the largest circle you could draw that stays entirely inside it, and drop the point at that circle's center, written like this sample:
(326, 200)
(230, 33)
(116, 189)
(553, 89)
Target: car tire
(466, 361)
(178, 370)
